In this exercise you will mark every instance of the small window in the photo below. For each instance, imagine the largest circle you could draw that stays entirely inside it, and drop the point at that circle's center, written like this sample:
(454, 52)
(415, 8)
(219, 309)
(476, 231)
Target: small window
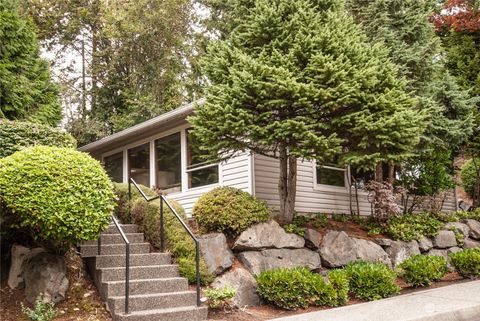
(329, 175)
(114, 166)
(169, 173)
(200, 172)
(139, 164)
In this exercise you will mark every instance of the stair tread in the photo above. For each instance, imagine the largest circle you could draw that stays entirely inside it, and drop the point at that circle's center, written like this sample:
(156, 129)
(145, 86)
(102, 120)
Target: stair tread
(146, 280)
(161, 311)
(137, 267)
(134, 254)
(139, 296)
(119, 244)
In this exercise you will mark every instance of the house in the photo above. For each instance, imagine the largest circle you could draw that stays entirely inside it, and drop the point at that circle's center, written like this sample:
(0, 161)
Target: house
(162, 153)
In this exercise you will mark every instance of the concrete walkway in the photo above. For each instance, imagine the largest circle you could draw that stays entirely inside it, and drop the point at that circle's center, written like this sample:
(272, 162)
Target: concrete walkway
(459, 302)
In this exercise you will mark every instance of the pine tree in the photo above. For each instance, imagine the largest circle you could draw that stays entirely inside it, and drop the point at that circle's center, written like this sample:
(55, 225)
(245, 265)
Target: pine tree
(26, 88)
(299, 79)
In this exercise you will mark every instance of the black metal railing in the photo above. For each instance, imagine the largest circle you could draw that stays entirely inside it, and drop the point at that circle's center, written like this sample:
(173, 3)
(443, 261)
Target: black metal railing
(127, 260)
(163, 201)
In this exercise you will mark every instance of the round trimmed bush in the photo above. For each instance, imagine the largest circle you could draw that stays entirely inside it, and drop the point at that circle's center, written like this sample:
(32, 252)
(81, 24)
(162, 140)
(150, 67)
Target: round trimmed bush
(229, 210)
(469, 177)
(371, 281)
(15, 135)
(421, 270)
(59, 195)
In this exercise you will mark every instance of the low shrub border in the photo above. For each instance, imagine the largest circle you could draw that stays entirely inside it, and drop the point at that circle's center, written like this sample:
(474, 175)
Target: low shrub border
(422, 270)
(299, 287)
(467, 262)
(371, 281)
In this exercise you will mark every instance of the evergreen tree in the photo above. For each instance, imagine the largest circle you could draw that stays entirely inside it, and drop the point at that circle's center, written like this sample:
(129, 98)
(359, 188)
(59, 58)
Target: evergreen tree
(26, 88)
(403, 26)
(298, 79)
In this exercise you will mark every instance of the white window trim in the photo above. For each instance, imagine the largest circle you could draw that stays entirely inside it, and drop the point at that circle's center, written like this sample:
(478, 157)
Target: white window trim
(325, 187)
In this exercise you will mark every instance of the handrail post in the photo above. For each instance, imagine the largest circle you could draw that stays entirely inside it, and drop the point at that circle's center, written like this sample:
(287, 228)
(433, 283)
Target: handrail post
(129, 196)
(127, 277)
(162, 247)
(99, 244)
(197, 271)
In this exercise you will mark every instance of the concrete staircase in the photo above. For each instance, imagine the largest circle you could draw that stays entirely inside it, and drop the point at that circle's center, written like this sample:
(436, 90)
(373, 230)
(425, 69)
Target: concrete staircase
(157, 292)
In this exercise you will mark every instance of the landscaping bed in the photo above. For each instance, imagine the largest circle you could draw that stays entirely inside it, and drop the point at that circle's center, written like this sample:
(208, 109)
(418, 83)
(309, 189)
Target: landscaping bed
(82, 302)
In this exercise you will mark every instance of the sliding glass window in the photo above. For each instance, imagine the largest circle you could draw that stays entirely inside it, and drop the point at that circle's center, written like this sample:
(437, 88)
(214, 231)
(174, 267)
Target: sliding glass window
(200, 172)
(114, 166)
(139, 164)
(169, 166)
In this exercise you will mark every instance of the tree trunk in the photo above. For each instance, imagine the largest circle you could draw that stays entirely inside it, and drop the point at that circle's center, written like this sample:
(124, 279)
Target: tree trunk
(291, 188)
(379, 172)
(287, 185)
(391, 173)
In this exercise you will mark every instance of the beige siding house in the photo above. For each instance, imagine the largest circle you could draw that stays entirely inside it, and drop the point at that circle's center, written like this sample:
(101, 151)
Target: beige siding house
(161, 153)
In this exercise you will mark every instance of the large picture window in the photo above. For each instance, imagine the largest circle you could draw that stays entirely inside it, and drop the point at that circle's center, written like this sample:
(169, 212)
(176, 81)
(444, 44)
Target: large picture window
(114, 166)
(139, 164)
(330, 175)
(169, 173)
(200, 172)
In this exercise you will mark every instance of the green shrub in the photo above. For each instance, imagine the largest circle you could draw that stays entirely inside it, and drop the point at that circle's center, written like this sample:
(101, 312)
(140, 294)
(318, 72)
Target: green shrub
(474, 215)
(286, 288)
(298, 287)
(16, 135)
(294, 228)
(60, 196)
(410, 227)
(229, 210)
(336, 291)
(41, 311)
(218, 298)
(422, 270)
(469, 177)
(371, 281)
(467, 262)
(320, 220)
(147, 216)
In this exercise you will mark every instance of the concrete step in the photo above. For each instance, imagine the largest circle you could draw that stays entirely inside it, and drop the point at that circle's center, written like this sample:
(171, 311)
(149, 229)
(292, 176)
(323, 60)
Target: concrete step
(166, 285)
(189, 313)
(111, 249)
(153, 301)
(138, 273)
(108, 261)
(117, 239)
(127, 228)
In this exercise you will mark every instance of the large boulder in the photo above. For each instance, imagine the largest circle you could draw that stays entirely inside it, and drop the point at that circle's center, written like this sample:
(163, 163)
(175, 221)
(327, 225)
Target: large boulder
(20, 257)
(46, 277)
(245, 285)
(313, 238)
(445, 253)
(370, 252)
(258, 261)
(383, 242)
(459, 227)
(444, 239)
(215, 252)
(424, 244)
(470, 244)
(267, 235)
(474, 228)
(399, 251)
(337, 249)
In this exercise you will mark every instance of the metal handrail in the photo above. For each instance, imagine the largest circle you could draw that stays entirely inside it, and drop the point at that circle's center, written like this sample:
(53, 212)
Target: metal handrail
(194, 238)
(127, 261)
